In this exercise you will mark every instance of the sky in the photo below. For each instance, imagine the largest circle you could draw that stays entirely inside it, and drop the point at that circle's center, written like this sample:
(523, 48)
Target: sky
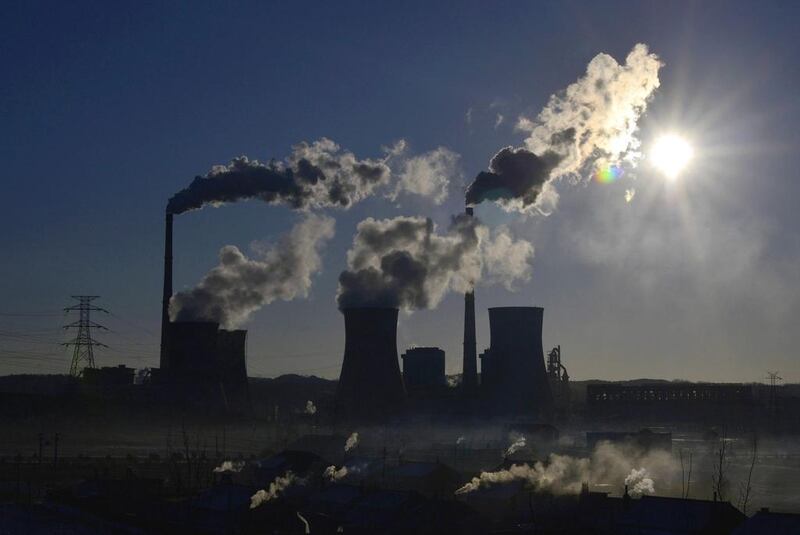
(107, 110)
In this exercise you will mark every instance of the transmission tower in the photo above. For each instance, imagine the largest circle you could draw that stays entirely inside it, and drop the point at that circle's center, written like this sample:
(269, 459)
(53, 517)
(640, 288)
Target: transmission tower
(83, 343)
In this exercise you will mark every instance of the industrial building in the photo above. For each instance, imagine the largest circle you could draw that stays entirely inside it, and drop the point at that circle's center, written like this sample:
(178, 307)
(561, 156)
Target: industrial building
(513, 377)
(370, 386)
(200, 363)
(423, 367)
(670, 400)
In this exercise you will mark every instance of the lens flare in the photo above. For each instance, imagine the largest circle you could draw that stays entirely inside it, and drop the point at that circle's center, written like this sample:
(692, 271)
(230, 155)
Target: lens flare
(608, 174)
(671, 154)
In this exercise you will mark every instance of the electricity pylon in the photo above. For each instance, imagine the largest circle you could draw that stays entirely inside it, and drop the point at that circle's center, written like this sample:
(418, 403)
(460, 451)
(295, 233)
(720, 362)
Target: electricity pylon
(83, 342)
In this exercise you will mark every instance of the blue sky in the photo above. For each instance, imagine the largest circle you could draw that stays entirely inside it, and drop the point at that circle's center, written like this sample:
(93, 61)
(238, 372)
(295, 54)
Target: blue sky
(107, 110)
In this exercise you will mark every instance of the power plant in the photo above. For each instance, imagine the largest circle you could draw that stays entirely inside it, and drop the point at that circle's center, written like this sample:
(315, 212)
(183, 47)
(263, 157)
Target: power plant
(513, 375)
(370, 386)
(200, 364)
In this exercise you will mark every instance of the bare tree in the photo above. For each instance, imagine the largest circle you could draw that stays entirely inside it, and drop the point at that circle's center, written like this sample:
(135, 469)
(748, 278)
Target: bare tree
(745, 487)
(686, 481)
(719, 479)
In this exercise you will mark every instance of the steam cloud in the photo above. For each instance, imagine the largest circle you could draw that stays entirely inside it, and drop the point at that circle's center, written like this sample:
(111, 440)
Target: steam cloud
(332, 474)
(351, 442)
(403, 262)
(593, 120)
(518, 442)
(318, 174)
(428, 175)
(639, 482)
(238, 286)
(229, 466)
(563, 474)
(277, 486)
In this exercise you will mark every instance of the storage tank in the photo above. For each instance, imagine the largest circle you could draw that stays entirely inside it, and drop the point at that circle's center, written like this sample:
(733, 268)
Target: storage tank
(370, 387)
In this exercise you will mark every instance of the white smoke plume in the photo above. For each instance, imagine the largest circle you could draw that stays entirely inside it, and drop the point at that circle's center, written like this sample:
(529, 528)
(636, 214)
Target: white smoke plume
(332, 474)
(239, 286)
(351, 442)
(460, 440)
(517, 443)
(593, 121)
(276, 487)
(229, 466)
(563, 474)
(639, 482)
(403, 262)
(427, 175)
(310, 407)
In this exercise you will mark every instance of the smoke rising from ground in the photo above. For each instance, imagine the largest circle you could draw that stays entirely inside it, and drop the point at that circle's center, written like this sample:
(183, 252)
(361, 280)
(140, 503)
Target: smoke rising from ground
(403, 262)
(238, 286)
(517, 443)
(332, 474)
(229, 466)
(351, 442)
(310, 407)
(639, 482)
(594, 120)
(277, 486)
(563, 474)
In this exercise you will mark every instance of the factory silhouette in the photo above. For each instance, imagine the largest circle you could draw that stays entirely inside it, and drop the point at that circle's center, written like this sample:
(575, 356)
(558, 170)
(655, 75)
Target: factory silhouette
(201, 363)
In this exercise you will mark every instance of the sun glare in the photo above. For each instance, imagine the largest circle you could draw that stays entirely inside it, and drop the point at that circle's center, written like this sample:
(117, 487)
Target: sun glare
(671, 154)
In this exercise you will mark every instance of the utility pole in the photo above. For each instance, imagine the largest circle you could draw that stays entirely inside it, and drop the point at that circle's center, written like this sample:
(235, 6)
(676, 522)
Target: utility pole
(83, 343)
(773, 382)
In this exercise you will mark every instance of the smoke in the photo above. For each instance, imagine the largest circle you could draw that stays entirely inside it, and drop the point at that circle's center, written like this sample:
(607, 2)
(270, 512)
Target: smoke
(229, 466)
(277, 486)
(332, 474)
(630, 194)
(427, 175)
(460, 440)
(238, 286)
(594, 120)
(517, 443)
(315, 175)
(310, 407)
(352, 442)
(403, 262)
(563, 474)
(639, 482)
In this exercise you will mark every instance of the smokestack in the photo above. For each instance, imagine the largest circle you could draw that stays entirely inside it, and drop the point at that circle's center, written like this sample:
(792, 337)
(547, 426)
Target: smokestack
(370, 386)
(469, 373)
(164, 361)
(512, 368)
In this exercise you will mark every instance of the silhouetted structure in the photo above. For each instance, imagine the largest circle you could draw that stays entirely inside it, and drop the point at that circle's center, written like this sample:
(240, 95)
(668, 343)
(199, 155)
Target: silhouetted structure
(469, 377)
(167, 295)
(678, 401)
(513, 376)
(370, 387)
(83, 344)
(109, 377)
(423, 367)
(207, 365)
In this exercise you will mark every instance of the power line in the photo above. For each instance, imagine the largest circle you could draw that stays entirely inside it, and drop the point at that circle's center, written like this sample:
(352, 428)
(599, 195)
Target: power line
(83, 343)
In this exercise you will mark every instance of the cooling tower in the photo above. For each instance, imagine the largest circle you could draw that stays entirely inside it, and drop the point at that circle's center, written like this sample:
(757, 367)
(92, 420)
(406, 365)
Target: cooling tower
(231, 356)
(165, 331)
(512, 369)
(370, 387)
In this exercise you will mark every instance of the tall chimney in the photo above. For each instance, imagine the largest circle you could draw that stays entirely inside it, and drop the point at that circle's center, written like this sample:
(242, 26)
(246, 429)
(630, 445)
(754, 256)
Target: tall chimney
(164, 361)
(469, 373)
(370, 387)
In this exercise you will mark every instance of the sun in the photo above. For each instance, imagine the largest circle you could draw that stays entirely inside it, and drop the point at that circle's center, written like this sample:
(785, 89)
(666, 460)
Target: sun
(671, 154)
